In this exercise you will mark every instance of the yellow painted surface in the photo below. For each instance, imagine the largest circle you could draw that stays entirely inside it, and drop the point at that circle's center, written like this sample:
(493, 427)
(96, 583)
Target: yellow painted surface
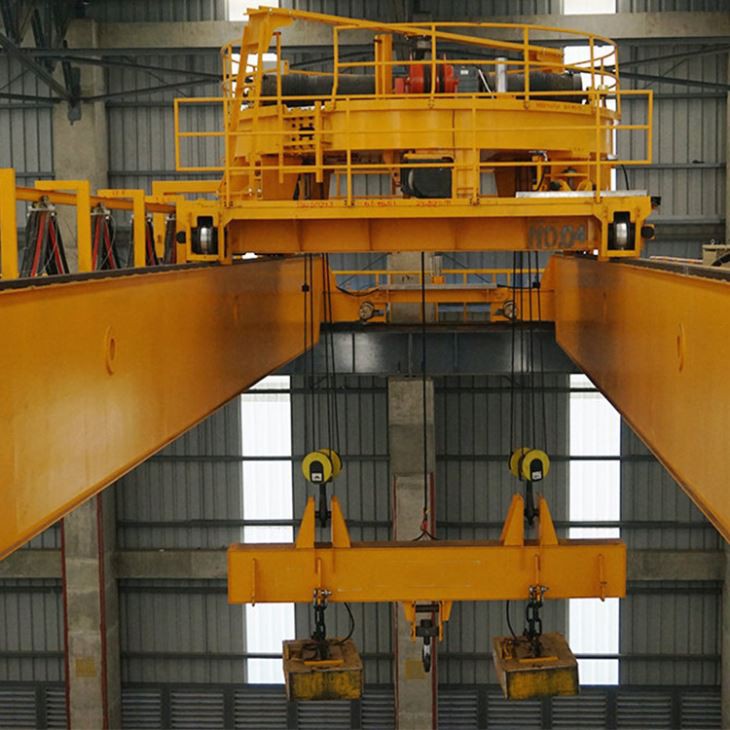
(654, 343)
(125, 365)
(85, 666)
(523, 677)
(420, 571)
(339, 678)
(8, 226)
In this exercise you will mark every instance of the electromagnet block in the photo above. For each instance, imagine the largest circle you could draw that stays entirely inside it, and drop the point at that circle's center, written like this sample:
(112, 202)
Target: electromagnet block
(339, 677)
(524, 676)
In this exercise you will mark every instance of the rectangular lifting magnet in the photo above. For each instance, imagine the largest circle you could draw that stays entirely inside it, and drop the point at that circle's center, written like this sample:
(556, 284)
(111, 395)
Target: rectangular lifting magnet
(339, 677)
(524, 676)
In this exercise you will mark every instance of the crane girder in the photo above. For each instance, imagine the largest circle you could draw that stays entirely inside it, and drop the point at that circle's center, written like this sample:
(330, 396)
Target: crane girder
(101, 372)
(654, 340)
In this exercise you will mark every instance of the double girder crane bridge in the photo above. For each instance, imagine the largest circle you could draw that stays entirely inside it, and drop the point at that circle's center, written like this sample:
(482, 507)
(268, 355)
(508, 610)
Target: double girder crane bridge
(476, 139)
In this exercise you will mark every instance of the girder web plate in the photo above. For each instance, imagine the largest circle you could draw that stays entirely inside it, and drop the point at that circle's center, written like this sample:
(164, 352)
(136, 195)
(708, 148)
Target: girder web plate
(100, 374)
(655, 343)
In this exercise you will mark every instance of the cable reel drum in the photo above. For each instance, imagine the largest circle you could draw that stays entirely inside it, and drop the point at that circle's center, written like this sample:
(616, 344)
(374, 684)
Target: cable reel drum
(529, 465)
(320, 468)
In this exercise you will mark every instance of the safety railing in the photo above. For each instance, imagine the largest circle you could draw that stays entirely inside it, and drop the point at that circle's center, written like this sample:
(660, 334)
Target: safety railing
(96, 247)
(315, 141)
(242, 76)
(464, 294)
(357, 280)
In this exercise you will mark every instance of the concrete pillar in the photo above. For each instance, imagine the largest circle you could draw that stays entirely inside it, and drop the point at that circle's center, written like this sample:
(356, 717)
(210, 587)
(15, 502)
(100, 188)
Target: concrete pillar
(80, 148)
(91, 606)
(80, 152)
(415, 690)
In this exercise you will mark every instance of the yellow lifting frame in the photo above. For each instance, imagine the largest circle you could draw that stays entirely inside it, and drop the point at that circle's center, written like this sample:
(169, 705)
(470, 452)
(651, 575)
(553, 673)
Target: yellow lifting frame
(139, 231)
(430, 571)
(174, 191)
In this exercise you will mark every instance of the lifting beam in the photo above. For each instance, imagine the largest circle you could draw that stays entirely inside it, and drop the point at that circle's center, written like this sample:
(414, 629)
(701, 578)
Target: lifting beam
(655, 343)
(437, 571)
(101, 372)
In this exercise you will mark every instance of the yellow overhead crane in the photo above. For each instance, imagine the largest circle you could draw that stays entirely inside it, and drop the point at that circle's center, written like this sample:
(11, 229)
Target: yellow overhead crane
(476, 139)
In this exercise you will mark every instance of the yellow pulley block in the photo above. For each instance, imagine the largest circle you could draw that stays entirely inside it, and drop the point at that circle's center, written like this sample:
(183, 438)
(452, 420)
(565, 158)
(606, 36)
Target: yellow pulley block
(336, 460)
(531, 465)
(515, 460)
(319, 467)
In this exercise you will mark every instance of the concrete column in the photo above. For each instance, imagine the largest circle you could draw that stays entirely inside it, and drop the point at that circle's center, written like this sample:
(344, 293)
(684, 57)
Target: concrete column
(91, 606)
(93, 687)
(415, 690)
(80, 148)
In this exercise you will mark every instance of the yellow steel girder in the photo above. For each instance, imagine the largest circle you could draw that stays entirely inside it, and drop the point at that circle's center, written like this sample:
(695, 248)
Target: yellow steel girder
(654, 342)
(441, 571)
(504, 302)
(8, 226)
(99, 374)
(504, 224)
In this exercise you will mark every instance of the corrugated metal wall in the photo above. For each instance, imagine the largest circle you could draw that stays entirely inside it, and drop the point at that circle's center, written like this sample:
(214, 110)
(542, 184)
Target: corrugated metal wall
(26, 141)
(142, 11)
(31, 631)
(190, 494)
(688, 167)
(180, 632)
(387, 10)
(653, 6)
(141, 127)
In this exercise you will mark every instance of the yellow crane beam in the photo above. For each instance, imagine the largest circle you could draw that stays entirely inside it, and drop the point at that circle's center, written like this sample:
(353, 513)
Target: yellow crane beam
(497, 224)
(438, 570)
(655, 343)
(100, 373)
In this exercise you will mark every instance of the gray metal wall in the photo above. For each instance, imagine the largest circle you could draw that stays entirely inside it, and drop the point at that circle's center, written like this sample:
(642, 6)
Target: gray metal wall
(190, 494)
(653, 6)
(688, 167)
(31, 631)
(141, 126)
(138, 11)
(26, 140)
(387, 10)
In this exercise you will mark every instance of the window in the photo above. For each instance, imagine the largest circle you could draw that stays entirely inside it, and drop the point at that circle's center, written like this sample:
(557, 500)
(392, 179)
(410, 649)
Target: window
(238, 9)
(589, 7)
(595, 497)
(267, 495)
